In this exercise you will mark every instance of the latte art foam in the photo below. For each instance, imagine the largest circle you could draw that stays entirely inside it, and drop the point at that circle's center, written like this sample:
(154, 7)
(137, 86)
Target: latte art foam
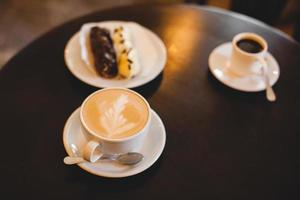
(112, 119)
(115, 113)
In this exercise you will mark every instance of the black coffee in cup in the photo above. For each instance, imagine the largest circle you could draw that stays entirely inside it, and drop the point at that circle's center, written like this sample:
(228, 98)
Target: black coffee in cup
(249, 45)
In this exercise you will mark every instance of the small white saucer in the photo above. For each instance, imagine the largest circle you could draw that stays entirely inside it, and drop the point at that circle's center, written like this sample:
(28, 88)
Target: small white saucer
(151, 51)
(152, 148)
(219, 66)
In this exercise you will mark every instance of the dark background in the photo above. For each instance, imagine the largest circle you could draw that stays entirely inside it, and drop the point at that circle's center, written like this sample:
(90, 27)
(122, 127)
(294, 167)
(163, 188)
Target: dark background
(221, 143)
(21, 21)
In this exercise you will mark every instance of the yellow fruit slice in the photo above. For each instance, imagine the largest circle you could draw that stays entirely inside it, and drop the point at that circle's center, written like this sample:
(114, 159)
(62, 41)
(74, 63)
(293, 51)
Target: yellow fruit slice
(124, 66)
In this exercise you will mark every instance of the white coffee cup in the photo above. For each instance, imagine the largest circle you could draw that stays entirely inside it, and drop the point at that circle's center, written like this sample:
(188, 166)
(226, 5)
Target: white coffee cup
(244, 63)
(109, 145)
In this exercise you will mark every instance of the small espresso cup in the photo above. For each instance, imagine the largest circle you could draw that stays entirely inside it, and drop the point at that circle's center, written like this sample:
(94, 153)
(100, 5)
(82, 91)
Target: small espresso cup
(110, 112)
(248, 54)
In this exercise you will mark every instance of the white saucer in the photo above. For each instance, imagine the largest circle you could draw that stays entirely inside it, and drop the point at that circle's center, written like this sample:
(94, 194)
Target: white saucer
(151, 51)
(219, 66)
(151, 149)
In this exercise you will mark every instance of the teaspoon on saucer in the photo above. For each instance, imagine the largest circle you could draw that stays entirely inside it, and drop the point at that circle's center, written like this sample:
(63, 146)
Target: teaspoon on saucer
(130, 158)
(270, 94)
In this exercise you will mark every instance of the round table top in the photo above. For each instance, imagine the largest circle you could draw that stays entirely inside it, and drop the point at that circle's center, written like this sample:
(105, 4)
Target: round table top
(221, 143)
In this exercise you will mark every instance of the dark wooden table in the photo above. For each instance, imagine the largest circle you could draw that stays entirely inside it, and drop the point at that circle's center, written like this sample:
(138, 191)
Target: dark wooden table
(221, 143)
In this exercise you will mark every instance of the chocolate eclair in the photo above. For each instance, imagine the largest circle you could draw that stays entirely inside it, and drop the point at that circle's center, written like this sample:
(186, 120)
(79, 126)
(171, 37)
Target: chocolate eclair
(105, 59)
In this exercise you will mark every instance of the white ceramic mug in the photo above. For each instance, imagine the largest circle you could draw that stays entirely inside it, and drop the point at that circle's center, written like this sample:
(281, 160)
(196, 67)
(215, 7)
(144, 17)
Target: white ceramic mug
(113, 146)
(244, 63)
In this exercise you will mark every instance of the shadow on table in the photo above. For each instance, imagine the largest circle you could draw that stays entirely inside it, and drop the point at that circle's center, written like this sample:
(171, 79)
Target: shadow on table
(96, 185)
(150, 88)
(80, 86)
(146, 90)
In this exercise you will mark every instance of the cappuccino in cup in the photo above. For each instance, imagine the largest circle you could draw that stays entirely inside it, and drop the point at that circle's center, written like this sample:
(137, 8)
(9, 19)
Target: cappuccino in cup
(117, 118)
(115, 114)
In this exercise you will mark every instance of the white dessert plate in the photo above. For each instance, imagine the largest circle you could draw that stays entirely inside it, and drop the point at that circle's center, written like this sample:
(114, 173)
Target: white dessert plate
(152, 148)
(149, 47)
(219, 66)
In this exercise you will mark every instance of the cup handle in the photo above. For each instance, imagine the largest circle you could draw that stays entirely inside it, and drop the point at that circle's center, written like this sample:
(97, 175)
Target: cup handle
(92, 151)
(270, 94)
